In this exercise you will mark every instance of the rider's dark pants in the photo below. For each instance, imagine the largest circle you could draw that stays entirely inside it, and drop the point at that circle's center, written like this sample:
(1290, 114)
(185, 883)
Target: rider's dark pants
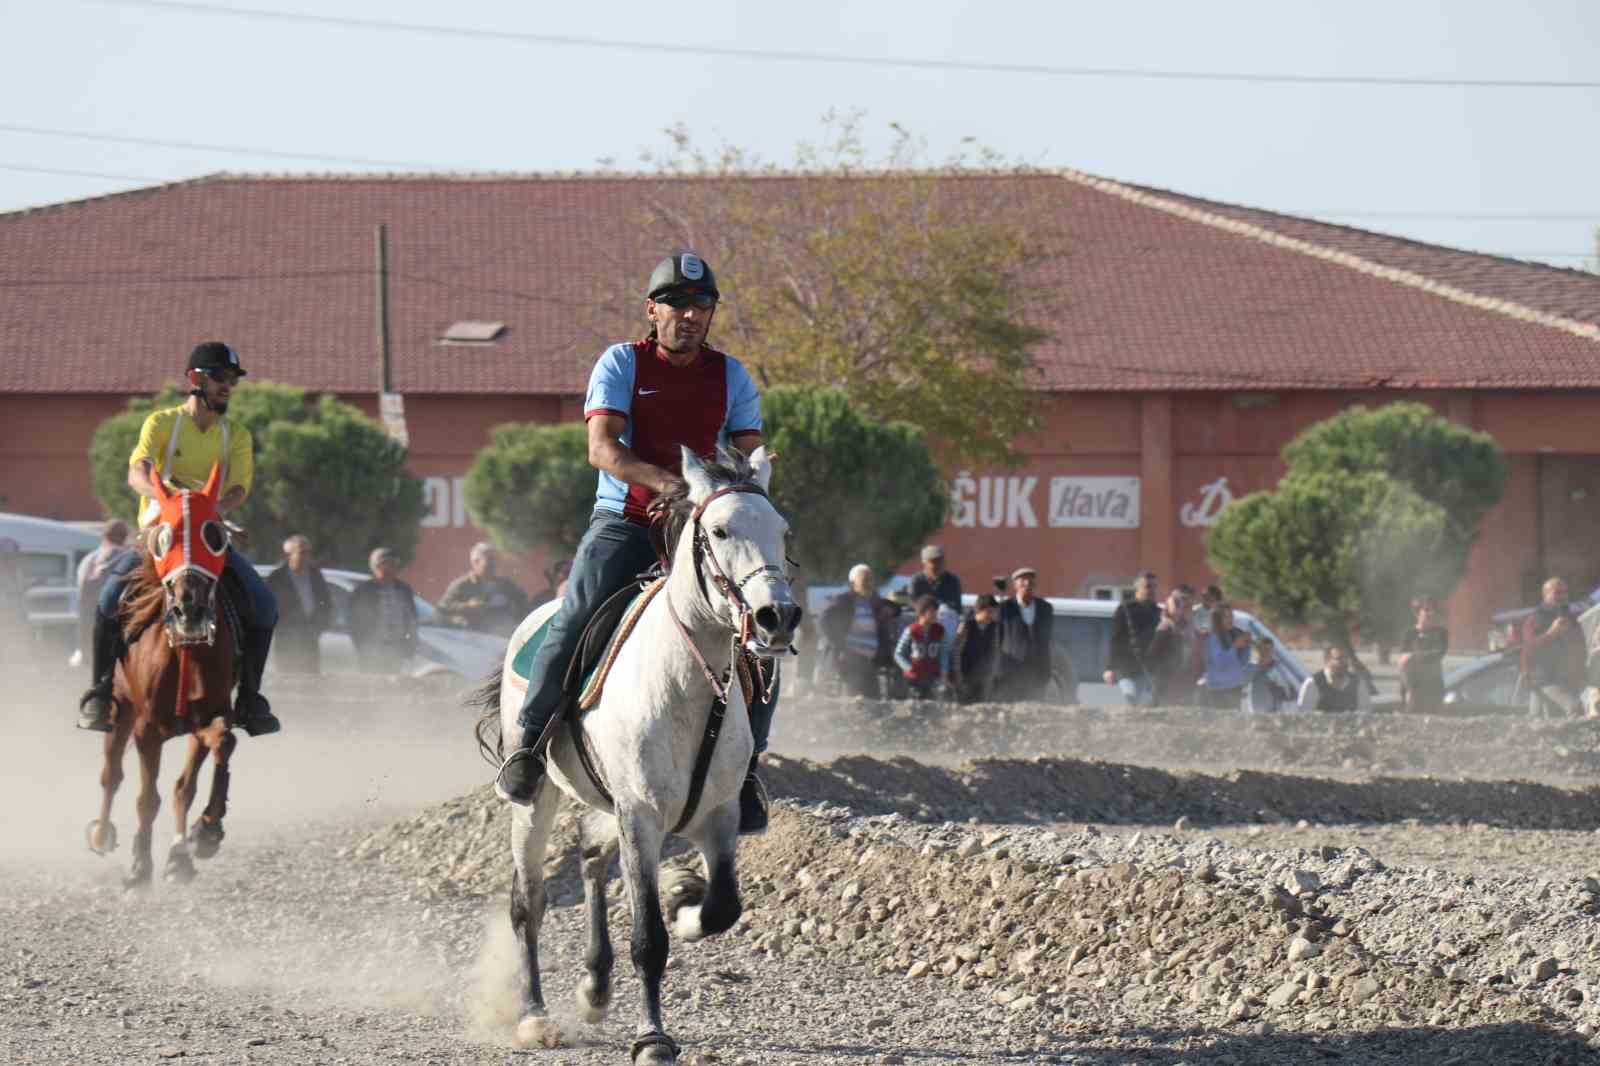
(612, 553)
(263, 604)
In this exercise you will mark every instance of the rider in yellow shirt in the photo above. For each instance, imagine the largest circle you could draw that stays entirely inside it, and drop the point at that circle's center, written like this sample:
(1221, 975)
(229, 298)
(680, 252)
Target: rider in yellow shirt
(180, 445)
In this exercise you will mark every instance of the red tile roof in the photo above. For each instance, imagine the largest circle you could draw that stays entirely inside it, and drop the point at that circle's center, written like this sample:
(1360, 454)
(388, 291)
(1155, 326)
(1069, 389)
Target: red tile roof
(1162, 291)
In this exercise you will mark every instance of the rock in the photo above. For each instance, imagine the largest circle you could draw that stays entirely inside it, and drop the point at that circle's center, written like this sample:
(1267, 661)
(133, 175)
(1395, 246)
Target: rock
(968, 952)
(919, 968)
(878, 1022)
(1285, 994)
(1205, 873)
(169, 1052)
(1023, 1003)
(1243, 1008)
(1301, 949)
(1363, 989)
(1545, 969)
(969, 847)
(1573, 996)
(1181, 824)
(1279, 900)
(1301, 882)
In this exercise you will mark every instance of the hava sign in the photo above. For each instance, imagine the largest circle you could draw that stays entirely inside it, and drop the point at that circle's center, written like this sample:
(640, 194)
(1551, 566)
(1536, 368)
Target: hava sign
(1014, 503)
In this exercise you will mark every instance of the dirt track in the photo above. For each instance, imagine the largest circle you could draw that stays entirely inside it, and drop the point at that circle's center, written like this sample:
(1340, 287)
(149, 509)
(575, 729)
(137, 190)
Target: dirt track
(1003, 909)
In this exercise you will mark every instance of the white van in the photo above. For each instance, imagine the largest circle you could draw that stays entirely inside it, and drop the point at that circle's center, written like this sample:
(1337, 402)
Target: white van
(51, 552)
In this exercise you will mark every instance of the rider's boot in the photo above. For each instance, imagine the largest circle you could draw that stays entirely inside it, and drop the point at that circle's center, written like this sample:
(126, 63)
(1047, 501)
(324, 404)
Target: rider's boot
(523, 769)
(251, 711)
(94, 710)
(752, 802)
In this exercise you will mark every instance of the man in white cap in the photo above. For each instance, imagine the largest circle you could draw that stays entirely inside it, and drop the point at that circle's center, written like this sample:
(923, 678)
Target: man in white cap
(1026, 625)
(936, 581)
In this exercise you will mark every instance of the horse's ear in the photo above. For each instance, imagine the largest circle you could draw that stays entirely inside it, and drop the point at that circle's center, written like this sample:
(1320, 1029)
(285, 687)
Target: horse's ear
(694, 472)
(213, 483)
(761, 467)
(158, 485)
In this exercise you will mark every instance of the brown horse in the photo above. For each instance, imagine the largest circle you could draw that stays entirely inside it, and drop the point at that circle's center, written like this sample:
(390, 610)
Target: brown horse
(176, 678)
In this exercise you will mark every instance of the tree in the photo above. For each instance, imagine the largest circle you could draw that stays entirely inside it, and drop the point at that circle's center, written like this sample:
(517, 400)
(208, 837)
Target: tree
(325, 470)
(1337, 551)
(854, 489)
(1457, 468)
(532, 487)
(919, 289)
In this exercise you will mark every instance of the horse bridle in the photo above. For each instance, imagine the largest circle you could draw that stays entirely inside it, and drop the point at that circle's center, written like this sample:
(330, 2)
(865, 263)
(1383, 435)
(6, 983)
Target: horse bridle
(732, 591)
(169, 615)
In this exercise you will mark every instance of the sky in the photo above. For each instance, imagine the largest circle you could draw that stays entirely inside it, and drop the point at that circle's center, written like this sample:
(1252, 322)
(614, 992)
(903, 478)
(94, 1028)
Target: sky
(1412, 117)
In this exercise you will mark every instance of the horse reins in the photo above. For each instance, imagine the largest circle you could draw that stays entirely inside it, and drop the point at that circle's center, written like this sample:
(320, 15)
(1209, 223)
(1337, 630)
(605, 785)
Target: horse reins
(733, 592)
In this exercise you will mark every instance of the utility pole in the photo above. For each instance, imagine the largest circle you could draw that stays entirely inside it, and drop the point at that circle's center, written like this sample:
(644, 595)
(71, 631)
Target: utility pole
(391, 405)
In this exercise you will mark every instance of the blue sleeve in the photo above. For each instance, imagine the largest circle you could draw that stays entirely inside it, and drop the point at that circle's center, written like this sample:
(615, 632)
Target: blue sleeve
(944, 655)
(611, 383)
(901, 647)
(744, 402)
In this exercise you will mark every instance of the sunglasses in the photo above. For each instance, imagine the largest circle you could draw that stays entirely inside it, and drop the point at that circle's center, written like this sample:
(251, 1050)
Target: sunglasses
(679, 300)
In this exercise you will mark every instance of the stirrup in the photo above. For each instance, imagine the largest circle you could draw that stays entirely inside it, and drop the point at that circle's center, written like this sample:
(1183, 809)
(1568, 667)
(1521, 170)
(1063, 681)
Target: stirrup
(519, 755)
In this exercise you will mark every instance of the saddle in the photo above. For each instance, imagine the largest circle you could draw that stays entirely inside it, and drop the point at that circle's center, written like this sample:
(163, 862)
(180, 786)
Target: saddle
(601, 641)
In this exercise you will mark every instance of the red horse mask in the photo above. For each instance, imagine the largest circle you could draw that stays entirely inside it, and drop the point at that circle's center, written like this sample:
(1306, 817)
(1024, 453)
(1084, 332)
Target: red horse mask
(189, 534)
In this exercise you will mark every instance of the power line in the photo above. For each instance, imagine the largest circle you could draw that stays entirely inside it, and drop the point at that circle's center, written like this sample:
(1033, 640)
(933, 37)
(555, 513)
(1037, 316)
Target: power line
(233, 149)
(77, 173)
(658, 48)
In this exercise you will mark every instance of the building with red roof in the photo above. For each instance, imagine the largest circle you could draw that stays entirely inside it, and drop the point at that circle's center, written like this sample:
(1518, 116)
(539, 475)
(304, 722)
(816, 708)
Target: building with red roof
(1196, 338)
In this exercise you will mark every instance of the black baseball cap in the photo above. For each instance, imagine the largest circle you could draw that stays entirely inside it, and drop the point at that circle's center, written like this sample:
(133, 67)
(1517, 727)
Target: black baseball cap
(214, 355)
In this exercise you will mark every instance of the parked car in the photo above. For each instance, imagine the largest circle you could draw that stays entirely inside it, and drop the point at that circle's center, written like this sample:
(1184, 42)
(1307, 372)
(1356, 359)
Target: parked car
(51, 552)
(442, 650)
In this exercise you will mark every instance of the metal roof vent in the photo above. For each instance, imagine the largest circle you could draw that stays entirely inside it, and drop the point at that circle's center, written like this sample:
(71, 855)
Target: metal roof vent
(473, 332)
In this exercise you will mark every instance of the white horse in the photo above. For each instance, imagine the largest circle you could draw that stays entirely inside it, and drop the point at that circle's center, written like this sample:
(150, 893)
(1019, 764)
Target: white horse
(727, 582)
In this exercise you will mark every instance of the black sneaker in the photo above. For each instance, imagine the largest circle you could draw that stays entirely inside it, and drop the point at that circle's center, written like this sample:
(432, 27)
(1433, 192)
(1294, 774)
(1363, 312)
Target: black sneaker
(519, 776)
(752, 805)
(254, 715)
(94, 711)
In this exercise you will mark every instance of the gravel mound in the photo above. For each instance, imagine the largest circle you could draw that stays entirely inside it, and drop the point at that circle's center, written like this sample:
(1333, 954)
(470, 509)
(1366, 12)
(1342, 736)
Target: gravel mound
(947, 878)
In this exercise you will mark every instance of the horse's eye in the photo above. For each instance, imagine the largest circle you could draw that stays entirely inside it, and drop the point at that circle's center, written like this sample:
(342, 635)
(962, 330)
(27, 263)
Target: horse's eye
(719, 532)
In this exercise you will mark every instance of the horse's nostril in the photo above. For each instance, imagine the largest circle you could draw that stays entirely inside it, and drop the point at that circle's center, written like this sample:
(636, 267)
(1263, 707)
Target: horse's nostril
(767, 618)
(794, 616)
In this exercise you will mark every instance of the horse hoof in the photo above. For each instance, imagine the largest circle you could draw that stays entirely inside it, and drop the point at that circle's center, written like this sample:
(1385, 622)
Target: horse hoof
(180, 868)
(681, 887)
(655, 1049)
(593, 1006)
(205, 838)
(536, 1030)
(102, 837)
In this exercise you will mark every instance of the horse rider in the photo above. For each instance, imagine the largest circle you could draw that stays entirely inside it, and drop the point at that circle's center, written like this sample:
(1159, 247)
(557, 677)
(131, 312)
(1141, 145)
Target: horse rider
(645, 399)
(181, 444)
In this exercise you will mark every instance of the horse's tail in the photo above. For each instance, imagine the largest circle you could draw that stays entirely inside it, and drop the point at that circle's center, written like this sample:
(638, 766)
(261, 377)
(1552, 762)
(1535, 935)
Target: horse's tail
(487, 696)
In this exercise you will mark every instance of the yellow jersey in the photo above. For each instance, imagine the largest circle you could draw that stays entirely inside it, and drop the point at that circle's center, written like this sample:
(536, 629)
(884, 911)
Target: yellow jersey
(184, 454)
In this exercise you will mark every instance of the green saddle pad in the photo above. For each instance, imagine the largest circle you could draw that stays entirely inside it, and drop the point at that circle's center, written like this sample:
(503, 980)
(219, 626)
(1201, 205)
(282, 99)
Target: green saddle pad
(597, 638)
(522, 662)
